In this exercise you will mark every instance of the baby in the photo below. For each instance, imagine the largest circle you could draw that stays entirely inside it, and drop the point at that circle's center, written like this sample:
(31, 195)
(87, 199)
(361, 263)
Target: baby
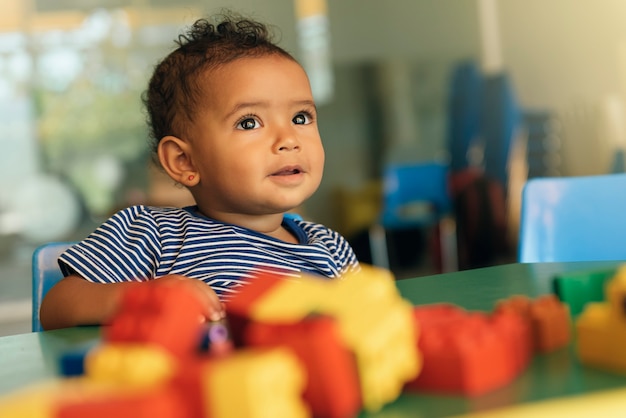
(232, 118)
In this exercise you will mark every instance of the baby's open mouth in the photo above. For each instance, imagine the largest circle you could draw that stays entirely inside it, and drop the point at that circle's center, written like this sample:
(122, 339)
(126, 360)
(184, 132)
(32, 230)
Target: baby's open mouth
(288, 172)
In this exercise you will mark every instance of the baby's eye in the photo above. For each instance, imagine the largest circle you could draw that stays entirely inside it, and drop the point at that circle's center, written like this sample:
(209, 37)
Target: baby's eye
(248, 123)
(301, 119)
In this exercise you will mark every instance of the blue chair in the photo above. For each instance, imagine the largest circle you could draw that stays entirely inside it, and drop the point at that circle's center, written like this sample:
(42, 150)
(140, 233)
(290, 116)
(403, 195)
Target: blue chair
(573, 219)
(46, 273)
(415, 196)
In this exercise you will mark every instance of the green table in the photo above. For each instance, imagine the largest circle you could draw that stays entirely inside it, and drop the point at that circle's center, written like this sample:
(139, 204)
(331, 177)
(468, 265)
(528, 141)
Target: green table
(29, 358)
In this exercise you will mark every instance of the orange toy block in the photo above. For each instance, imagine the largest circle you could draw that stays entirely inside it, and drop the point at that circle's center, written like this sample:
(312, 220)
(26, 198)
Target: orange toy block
(548, 317)
(332, 389)
(158, 403)
(467, 353)
(165, 315)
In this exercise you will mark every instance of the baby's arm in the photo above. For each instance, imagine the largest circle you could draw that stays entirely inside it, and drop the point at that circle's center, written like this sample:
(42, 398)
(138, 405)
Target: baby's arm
(76, 301)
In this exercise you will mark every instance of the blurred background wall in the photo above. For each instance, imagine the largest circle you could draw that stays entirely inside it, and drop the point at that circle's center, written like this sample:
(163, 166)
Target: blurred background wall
(72, 129)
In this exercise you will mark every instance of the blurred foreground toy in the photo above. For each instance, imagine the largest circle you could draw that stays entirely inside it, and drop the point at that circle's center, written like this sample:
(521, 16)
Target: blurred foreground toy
(373, 334)
(151, 363)
(307, 346)
(578, 288)
(469, 353)
(548, 318)
(601, 328)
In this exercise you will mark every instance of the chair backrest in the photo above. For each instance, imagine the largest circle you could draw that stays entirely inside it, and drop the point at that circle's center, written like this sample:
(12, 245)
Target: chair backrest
(573, 219)
(415, 194)
(46, 273)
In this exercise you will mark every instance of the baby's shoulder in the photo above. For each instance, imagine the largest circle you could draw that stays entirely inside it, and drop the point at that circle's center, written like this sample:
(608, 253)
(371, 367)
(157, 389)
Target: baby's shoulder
(152, 214)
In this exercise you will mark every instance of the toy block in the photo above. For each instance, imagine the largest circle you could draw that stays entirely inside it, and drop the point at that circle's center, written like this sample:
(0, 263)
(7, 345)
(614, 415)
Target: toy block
(130, 364)
(579, 288)
(43, 399)
(273, 298)
(164, 315)
(382, 339)
(359, 291)
(517, 331)
(255, 383)
(548, 318)
(467, 353)
(72, 363)
(386, 353)
(601, 328)
(156, 403)
(332, 389)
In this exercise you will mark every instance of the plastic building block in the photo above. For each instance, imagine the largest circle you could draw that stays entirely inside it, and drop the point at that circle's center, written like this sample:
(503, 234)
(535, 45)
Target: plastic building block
(45, 398)
(381, 339)
(158, 403)
(256, 384)
(332, 389)
(272, 298)
(468, 353)
(601, 328)
(130, 364)
(549, 320)
(165, 315)
(579, 288)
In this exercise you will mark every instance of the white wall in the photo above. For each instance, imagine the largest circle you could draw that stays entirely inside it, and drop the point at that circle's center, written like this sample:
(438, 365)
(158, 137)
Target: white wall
(569, 57)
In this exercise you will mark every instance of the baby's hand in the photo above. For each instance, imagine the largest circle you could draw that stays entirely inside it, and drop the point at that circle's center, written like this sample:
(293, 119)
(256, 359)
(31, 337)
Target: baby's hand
(213, 310)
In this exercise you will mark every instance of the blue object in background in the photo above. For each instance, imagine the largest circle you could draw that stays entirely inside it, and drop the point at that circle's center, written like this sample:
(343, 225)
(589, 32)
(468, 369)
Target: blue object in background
(414, 196)
(500, 118)
(463, 112)
(46, 273)
(573, 219)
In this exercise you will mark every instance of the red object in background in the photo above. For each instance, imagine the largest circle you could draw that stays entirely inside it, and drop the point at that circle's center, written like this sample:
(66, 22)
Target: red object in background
(468, 353)
(333, 388)
(548, 318)
(165, 315)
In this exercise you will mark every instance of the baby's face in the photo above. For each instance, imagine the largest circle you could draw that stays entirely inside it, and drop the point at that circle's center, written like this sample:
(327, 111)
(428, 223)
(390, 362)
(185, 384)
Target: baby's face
(256, 143)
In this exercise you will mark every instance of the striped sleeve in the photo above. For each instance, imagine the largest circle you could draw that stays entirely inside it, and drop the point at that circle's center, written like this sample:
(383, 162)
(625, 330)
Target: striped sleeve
(126, 247)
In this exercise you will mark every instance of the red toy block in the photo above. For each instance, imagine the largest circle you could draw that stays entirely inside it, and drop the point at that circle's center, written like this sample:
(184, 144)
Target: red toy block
(157, 403)
(517, 332)
(190, 384)
(166, 315)
(238, 308)
(332, 389)
(466, 353)
(261, 284)
(548, 319)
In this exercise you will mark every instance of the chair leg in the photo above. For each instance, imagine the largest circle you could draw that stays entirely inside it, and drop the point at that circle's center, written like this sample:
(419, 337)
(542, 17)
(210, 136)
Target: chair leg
(378, 246)
(447, 241)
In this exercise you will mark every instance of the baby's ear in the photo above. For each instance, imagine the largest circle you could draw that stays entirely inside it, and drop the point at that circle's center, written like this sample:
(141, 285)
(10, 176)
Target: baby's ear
(174, 155)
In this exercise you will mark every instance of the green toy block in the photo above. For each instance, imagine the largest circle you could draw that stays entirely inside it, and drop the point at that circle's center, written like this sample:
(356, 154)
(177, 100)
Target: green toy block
(576, 289)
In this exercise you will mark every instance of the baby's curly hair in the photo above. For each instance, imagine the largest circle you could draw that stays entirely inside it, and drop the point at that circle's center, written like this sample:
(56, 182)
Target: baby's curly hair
(175, 92)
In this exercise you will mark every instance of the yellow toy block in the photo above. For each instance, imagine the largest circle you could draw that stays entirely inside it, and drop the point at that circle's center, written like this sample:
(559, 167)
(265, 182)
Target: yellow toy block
(256, 383)
(378, 326)
(601, 328)
(41, 400)
(292, 300)
(130, 364)
(387, 355)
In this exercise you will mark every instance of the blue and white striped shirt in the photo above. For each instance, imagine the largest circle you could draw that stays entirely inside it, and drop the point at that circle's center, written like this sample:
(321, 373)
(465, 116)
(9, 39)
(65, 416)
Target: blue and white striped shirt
(142, 242)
